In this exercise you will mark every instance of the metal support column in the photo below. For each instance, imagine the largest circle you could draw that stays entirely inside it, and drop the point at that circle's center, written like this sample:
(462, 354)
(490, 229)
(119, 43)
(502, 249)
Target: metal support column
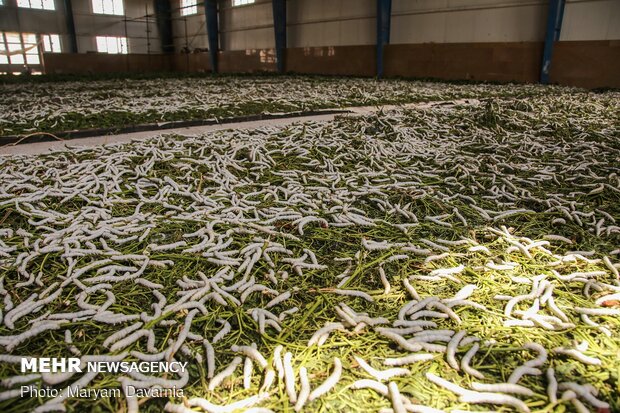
(552, 35)
(279, 28)
(384, 15)
(163, 16)
(73, 47)
(212, 32)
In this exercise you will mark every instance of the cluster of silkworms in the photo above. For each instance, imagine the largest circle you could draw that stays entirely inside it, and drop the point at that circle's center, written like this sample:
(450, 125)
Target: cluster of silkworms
(83, 226)
(48, 107)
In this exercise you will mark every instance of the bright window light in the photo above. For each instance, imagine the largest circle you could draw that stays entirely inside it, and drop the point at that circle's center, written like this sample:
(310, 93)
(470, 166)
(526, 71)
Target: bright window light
(36, 4)
(14, 48)
(111, 44)
(242, 2)
(51, 43)
(189, 7)
(114, 7)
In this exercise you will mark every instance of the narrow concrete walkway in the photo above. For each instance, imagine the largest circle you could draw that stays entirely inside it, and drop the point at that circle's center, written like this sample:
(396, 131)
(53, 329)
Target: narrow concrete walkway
(48, 147)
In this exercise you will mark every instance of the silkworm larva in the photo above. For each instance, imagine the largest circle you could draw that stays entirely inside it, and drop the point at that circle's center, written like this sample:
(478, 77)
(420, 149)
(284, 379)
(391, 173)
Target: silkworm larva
(329, 327)
(252, 353)
(502, 388)
(228, 371)
(353, 293)
(467, 359)
(410, 359)
(386, 284)
(378, 374)
(578, 355)
(247, 373)
(452, 347)
(395, 397)
(494, 398)
(329, 383)
(289, 377)
(552, 386)
(542, 355)
(304, 391)
(522, 371)
(277, 361)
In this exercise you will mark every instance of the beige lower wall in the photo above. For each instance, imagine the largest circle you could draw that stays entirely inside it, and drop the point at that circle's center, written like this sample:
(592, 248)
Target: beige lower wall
(589, 64)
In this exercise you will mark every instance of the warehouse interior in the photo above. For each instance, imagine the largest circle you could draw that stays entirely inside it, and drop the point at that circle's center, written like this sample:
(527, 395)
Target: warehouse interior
(469, 39)
(270, 206)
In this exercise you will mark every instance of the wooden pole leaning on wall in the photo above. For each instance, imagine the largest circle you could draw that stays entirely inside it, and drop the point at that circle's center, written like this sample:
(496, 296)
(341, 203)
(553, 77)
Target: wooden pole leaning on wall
(279, 29)
(384, 20)
(213, 32)
(552, 35)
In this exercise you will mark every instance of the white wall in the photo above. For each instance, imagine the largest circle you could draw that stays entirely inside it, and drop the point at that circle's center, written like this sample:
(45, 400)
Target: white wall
(328, 23)
(465, 21)
(591, 20)
(190, 31)
(246, 27)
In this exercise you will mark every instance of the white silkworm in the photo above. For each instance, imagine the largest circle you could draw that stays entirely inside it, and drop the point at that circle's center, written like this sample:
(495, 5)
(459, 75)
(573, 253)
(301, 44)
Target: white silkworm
(381, 375)
(446, 384)
(481, 248)
(542, 355)
(353, 293)
(395, 397)
(277, 361)
(304, 391)
(329, 327)
(279, 299)
(224, 374)
(552, 386)
(289, 378)
(585, 393)
(412, 292)
(329, 383)
(213, 408)
(247, 373)
(502, 388)
(467, 359)
(410, 359)
(210, 358)
(452, 347)
(522, 371)
(442, 272)
(225, 330)
(578, 355)
(270, 376)
(386, 284)
(494, 398)
(598, 311)
(463, 293)
(251, 352)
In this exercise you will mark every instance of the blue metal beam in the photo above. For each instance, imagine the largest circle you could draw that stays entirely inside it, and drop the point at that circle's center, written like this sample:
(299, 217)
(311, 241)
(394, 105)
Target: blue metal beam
(384, 16)
(73, 48)
(552, 35)
(164, 24)
(279, 28)
(212, 32)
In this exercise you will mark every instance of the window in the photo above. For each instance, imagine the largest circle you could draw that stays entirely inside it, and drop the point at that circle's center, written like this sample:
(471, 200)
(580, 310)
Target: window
(19, 49)
(36, 4)
(188, 7)
(242, 2)
(111, 44)
(51, 43)
(108, 7)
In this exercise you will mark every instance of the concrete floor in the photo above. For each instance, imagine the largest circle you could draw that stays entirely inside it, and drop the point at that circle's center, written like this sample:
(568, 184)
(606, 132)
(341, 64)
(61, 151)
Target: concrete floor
(59, 146)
